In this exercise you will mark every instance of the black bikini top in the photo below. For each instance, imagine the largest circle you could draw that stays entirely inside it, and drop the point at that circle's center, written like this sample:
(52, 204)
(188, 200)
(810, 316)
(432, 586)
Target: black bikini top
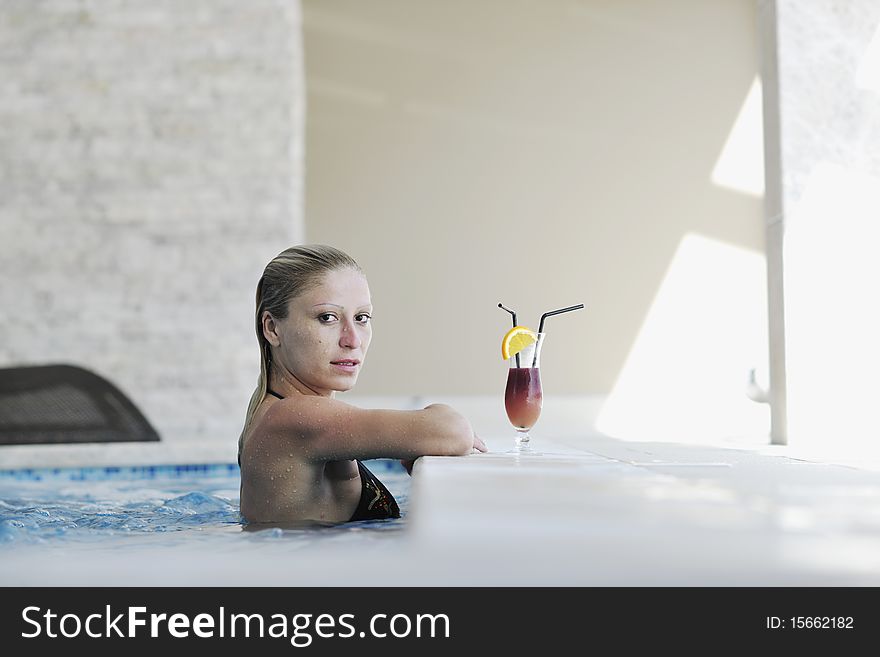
(377, 502)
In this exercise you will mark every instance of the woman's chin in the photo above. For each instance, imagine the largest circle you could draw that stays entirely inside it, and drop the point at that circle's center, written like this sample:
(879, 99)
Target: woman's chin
(344, 384)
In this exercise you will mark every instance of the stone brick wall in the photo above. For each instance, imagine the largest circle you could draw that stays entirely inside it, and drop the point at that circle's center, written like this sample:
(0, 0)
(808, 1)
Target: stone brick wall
(150, 164)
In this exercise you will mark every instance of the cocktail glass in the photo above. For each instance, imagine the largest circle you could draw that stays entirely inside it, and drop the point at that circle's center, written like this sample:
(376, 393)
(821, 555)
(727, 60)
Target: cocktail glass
(523, 397)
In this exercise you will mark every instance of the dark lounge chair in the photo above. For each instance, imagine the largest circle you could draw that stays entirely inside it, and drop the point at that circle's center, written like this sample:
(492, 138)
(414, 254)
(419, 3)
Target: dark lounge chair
(66, 404)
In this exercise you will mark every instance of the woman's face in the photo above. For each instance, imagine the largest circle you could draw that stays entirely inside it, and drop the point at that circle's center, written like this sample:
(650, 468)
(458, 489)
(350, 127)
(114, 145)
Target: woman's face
(324, 339)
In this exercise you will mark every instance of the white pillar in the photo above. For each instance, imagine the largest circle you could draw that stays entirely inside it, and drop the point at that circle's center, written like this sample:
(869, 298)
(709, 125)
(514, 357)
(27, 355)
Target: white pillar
(821, 79)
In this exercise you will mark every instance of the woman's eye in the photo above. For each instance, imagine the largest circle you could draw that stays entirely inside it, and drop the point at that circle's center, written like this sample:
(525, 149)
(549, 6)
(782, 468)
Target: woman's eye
(327, 317)
(363, 318)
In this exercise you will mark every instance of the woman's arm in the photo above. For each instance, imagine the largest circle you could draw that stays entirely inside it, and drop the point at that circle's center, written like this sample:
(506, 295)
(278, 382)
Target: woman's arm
(328, 430)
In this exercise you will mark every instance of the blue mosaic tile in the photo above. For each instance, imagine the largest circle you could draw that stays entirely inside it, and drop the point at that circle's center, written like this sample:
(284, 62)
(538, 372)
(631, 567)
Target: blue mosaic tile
(151, 471)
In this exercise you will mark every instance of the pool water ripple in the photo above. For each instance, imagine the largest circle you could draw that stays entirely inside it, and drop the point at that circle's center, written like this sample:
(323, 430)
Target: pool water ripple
(83, 507)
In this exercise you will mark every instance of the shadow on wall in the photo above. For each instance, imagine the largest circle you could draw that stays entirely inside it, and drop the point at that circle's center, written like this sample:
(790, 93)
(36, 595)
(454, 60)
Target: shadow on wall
(690, 375)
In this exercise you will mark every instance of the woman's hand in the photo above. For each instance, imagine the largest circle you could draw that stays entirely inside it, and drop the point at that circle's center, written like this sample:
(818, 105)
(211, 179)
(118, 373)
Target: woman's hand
(462, 438)
(479, 446)
(459, 437)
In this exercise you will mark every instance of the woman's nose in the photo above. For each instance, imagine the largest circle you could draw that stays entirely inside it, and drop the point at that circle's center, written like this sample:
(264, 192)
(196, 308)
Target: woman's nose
(349, 337)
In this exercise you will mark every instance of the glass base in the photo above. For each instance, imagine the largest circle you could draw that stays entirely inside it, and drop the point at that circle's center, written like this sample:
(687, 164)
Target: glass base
(522, 445)
(524, 452)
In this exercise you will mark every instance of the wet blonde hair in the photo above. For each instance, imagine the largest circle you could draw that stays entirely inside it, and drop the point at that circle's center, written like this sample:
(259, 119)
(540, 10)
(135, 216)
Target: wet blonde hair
(289, 274)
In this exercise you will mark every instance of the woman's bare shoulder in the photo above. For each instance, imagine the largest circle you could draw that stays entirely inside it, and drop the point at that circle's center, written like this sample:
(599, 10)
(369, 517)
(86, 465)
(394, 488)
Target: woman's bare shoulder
(305, 414)
(310, 419)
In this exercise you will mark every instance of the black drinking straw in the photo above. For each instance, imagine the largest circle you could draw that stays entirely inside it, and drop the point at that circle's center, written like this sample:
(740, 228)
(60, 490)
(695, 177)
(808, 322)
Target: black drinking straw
(513, 314)
(548, 314)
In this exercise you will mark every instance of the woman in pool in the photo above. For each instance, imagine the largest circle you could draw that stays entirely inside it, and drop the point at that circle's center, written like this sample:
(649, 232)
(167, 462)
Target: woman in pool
(300, 449)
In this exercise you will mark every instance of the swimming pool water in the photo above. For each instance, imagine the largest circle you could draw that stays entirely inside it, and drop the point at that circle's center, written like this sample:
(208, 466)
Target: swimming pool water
(162, 505)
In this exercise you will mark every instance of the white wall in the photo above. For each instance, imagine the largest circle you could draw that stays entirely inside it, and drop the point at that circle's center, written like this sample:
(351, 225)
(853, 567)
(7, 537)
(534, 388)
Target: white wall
(544, 154)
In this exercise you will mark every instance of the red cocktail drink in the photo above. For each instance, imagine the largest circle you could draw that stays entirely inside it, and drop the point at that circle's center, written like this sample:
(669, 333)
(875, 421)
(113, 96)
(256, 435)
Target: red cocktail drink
(523, 397)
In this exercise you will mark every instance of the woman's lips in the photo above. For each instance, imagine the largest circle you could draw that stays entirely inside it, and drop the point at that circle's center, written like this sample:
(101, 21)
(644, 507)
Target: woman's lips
(346, 365)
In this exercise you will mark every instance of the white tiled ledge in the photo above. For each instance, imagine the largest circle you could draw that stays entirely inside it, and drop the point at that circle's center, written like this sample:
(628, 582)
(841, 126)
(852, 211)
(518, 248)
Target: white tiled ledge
(590, 510)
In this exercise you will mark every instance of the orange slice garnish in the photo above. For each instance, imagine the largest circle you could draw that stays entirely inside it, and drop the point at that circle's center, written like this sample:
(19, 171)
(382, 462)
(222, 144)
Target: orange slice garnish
(517, 339)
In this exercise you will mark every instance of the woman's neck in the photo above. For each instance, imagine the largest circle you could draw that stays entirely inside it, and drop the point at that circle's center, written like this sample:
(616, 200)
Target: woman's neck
(285, 383)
